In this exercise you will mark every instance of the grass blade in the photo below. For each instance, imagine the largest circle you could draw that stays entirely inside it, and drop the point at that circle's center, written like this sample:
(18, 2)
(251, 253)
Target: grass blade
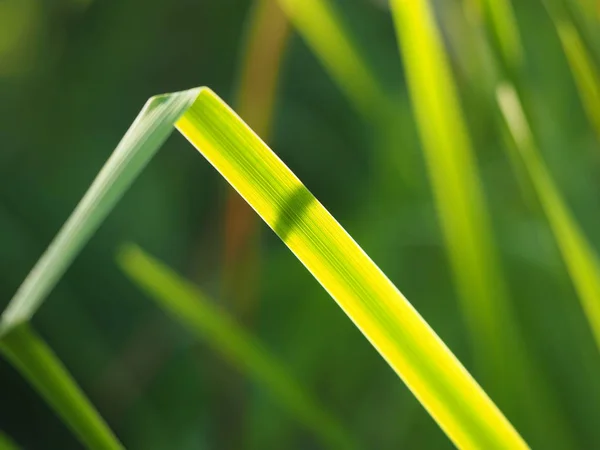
(581, 260)
(188, 305)
(145, 136)
(373, 303)
(319, 24)
(264, 47)
(456, 186)
(583, 67)
(36, 361)
(379, 310)
(500, 16)
(493, 328)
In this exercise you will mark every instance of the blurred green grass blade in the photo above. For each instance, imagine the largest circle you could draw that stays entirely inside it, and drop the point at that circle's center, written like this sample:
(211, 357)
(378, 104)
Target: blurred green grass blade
(145, 136)
(591, 8)
(580, 257)
(501, 20)
(320, 25)
(188, 305)
(501, 358)
(264, 46)
(456, 186)
(6, 443)
(373, 303)
(40, 366)
(581, 62)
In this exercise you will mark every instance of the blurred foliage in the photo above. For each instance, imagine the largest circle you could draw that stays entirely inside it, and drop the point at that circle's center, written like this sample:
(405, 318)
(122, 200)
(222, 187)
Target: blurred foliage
(73, 75)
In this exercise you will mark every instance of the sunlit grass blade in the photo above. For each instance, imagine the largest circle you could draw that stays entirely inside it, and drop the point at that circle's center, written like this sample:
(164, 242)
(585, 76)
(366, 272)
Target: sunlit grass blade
(189, 306)
(38, 364)
(580, 257)
(263, 48)
(145, 136)
(379, 310)
(502, 360)
(372, 302)
(583, 67)
(319, 24)
(456, 186)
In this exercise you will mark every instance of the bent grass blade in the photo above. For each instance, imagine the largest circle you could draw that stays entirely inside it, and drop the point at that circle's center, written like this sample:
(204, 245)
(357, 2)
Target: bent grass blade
(190, 307)
(145, 136)
(372, 302)
(28, 354)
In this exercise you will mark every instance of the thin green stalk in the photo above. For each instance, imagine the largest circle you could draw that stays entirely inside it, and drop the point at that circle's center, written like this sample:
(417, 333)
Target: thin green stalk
(580, 257)
(264, 45)
(190, 307)
(583, 67)
(28, 353)
(500, 23)
(457, 190)
(500, 355)
(501, 66)
(319, 23)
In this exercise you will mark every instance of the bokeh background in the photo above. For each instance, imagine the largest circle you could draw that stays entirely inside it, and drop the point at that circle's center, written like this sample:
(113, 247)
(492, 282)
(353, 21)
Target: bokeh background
(73, 76)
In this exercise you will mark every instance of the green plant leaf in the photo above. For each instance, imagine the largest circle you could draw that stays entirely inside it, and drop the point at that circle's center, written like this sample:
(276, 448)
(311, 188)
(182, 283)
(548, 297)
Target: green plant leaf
(27, 352)
(145, 136)
(264, 45)
(493, 328)
(501, 21)
(583, 67)
(190, 307)
(22, 348)
(352, 279)
(320, 25)
(456, 186)
(372, 302)
(580, 257)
